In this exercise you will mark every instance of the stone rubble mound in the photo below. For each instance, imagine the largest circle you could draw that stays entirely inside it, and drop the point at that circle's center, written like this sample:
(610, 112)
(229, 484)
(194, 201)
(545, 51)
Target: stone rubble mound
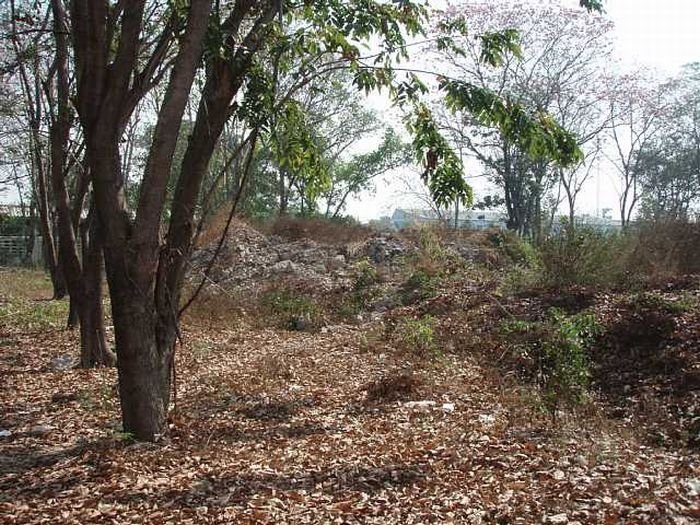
(250, 258)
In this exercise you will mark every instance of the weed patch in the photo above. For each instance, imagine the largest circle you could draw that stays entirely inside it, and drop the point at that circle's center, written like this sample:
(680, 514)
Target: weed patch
(291, 310)
(553, 353)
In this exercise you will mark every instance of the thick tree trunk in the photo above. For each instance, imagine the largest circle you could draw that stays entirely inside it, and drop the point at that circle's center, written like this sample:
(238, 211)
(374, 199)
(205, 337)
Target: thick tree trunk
(145, 364)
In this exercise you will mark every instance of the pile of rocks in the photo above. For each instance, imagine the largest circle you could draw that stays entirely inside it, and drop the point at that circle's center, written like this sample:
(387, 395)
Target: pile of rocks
(250, 258)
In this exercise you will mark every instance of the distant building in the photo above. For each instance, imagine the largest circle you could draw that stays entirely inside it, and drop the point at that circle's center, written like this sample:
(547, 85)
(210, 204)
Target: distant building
(485, 220)
(604, 224)
(468, 219)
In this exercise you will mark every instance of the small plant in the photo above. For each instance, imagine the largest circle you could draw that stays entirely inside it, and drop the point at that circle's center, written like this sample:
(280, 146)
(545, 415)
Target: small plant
(420, 285)
(419, 335)
(515, 249)
(650, 301)
(295, 312)
(125, 437)
(365, 274)
(201, 349)
(553, 351)
(584, 256)
(364, 290)
(564, 366)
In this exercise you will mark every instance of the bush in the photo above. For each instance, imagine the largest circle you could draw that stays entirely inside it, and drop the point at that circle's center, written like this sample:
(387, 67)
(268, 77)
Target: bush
(420, 285)
(292, 310)
(365, 275)
(667, 249)
(419, 335)
(515, 249)
(553, 352)
(319, 229)
(586, 257)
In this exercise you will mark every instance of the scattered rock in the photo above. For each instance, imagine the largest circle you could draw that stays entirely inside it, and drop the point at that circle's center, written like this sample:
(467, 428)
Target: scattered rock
(580, 460)
(448, 407)
(384, 249)
(40, 430)
(557, 518)
(64, 362)
(487, 419)
(419, 404)
(285, 266)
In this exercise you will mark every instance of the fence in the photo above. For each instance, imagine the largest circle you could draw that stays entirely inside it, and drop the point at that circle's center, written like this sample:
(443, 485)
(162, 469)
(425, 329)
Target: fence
(15, 250)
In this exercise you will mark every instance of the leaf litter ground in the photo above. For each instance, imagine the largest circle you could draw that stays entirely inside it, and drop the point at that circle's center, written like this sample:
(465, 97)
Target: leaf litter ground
(273, 426)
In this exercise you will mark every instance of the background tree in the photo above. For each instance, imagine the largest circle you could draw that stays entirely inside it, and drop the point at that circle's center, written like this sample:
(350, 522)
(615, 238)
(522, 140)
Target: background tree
(669, 169)
(60, 183)
(554, 69)
(636, 115)
(27, 68)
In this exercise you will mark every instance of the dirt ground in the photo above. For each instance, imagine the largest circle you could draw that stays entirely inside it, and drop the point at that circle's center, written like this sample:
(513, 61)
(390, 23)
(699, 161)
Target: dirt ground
(328, 426)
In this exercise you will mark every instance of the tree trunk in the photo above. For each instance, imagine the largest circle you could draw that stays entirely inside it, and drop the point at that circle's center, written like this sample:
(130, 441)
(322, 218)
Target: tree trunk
(94, 351)
(145, 364)
(73, 317)
(144, 275)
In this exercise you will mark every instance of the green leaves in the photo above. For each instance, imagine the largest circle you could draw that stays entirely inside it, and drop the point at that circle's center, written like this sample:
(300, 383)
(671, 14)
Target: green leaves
(296, 149)
(593, 5)
(495, 45)
(536, 134)
(257, 106)
(443, 170)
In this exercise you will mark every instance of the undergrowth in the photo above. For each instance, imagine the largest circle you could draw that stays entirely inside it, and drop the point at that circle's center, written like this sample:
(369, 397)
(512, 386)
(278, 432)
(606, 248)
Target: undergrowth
(553, 353)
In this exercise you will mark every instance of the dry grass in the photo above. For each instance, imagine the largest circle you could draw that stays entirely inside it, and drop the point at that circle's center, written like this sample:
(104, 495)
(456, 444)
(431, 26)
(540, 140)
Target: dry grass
(318, 229)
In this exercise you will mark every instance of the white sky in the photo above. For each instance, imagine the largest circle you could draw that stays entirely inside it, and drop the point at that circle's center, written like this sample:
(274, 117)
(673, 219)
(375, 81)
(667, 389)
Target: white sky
(660, 34)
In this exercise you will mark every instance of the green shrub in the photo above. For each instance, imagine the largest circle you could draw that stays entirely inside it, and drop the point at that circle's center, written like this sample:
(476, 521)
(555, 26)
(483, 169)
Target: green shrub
(553, 352)
(564, 366)
(516, 250)
(294, 311)
(651, 301)
(419, 335)
(420, 285)
(365, 274)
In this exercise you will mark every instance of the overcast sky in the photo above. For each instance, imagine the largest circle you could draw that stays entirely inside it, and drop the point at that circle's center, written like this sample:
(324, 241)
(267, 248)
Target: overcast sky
(661, 34)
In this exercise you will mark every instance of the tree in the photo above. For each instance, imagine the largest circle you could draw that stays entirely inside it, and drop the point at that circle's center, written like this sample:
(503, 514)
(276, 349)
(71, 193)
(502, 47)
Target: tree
(669, 178)
(60, 181)
(669, 169)
(554, 68)
(115, 65)
(636, 116)
(336, 120)
(350, 177)
(29, 70)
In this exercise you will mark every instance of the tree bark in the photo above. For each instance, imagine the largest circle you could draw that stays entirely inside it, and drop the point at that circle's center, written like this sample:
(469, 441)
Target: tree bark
(83, 278)
(94, 350)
